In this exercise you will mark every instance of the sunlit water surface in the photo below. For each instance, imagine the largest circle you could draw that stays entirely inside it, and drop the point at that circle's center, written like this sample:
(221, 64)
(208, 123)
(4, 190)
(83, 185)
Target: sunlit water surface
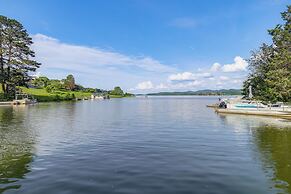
(141, 145)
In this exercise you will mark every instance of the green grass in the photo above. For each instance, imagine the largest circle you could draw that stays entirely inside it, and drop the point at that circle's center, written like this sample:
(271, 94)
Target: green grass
(115, 96)
(43, 96)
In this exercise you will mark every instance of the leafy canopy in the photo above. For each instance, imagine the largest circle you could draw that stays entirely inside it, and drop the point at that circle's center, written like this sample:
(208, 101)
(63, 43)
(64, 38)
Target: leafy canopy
(270, 65)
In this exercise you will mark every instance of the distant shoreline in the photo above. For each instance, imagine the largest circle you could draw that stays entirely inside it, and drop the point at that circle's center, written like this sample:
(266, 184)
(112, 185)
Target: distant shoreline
(207, 92)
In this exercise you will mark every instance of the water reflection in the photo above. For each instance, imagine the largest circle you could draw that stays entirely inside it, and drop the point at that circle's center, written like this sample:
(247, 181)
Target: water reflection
(241, 123)
(16, 147)
(147, 145)
(272, 140)
(274, 145)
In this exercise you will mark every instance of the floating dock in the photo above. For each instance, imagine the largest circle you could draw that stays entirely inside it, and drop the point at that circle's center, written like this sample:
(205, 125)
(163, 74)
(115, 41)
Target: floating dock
(263, 112)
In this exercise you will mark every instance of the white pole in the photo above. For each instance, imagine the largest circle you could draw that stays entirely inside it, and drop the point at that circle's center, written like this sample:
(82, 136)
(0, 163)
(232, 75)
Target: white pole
(250, 92)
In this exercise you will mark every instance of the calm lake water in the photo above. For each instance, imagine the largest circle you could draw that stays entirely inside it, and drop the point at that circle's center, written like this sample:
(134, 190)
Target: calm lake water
(141, 145)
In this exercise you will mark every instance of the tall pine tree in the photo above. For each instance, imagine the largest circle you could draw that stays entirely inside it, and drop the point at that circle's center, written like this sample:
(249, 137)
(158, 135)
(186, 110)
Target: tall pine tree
(16, 56)
(270, 67)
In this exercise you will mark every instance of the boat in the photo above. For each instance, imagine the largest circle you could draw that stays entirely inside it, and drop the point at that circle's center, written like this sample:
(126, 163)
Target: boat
(23, 99)
(251, 107)
(96, 96)
(246, 104)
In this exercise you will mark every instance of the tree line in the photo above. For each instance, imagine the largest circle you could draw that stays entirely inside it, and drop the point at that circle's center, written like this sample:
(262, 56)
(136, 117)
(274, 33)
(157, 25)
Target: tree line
(54, 85)
(68, 84)
(270, 65)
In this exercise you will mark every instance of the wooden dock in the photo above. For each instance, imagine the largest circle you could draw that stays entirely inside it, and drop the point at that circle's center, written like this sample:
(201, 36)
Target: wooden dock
(8, 103)
(212, 105)
(263, 112)
(17, 102)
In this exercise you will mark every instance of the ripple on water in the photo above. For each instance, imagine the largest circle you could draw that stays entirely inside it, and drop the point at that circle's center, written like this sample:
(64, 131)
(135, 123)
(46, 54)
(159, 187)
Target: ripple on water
(153, 145)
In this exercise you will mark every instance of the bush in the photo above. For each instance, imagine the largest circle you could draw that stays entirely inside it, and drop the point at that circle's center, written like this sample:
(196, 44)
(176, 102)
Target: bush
(73, 96)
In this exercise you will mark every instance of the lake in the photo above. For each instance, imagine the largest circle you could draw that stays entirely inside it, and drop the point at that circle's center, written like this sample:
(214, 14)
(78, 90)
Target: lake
(141, 145)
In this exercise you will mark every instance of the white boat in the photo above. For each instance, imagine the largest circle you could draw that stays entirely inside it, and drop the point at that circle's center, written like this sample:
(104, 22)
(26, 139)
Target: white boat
(246, 104)
(23, 99)
(240, 104)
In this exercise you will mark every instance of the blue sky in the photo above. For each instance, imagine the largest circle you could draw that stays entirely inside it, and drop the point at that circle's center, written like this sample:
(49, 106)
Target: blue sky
(147, 45)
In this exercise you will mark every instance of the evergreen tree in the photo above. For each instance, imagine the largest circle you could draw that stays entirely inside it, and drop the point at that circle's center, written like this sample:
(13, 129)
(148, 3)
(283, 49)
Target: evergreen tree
(270, 67)
(15, 55)
(278, 79)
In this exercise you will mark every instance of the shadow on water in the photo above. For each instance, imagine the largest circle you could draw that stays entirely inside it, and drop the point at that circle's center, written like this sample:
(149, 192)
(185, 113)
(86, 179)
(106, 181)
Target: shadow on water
(274, 145)
(16, 148)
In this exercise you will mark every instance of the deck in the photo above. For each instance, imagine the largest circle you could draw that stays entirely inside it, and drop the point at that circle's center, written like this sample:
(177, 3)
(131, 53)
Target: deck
(262, 112)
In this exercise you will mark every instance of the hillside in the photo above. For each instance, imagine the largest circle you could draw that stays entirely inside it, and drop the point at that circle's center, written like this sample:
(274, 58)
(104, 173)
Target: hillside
(200, 93)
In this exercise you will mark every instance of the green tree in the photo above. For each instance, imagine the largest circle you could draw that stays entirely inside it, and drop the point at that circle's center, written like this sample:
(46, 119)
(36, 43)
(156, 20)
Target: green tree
(40, 82)
(270, 67)
(278, 79)
(54, 85)
(79, 87)
(15, 55)
(70, 82)
(259, 65)
(117, 91)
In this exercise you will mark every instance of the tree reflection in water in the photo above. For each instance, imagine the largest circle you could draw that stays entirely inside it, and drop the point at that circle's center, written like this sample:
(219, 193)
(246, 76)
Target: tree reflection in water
(274, 145)
(16, 147)
(272, 141)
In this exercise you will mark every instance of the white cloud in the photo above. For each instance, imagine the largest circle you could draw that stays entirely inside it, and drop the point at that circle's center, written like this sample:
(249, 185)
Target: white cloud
(186, 76)
(204, 75)
(239, 65)
(55, 54)
(224, 78)
(215, 67)
(219, 83)
(95, 67)
(237, 81)
(187, 85)
(184, 22)
(162, 86)
(212, 78)
(149, 86)
(145, 85)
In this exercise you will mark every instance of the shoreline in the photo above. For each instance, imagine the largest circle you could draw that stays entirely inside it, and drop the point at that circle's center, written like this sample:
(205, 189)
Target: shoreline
(11, 103)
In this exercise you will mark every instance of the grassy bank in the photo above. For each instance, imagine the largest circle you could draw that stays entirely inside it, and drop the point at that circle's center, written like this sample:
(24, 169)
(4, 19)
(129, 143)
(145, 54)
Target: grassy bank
(43, 96)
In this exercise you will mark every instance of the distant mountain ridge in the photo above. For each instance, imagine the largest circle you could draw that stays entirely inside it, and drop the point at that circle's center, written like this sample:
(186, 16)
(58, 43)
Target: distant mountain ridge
(206, 92)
